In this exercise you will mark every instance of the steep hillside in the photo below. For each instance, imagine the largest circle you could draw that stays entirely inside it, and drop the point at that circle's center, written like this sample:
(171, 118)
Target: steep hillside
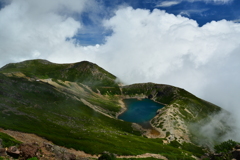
(37, 107)
(76, 105)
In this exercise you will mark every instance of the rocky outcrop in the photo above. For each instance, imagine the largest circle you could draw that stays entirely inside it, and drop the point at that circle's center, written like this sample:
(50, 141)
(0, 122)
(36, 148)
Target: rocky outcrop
(29, 150)
(60, 152)
(13, 151)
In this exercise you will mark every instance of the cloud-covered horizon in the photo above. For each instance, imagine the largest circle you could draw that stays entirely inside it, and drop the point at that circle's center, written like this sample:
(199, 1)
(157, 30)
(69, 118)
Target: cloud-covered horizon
(145, 46)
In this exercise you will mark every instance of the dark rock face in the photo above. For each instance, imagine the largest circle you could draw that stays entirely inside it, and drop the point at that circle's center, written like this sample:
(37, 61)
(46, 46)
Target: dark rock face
(236, 154)
(13, 151)
(28, 150)
(237, 147)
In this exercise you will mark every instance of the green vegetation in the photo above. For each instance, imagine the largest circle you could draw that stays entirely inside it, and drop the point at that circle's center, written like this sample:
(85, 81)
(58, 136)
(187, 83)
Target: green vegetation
(39, 108)
(107, 156)
(225, 149)
(167, 134)
(60, 111)
(33, 158)
(196, 105)
(175, 144)
(191, 148)
(225, 146)
(150, 158)
(8, 141)
(85, 72)
(164, 93)
(198, 151)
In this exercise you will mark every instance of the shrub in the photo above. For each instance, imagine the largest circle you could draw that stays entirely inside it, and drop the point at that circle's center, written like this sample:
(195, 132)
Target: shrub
(107, 156)
(175, 144)
(225, 147)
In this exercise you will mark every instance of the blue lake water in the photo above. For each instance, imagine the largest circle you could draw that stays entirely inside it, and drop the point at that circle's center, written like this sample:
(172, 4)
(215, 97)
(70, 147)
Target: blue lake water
(139, 111)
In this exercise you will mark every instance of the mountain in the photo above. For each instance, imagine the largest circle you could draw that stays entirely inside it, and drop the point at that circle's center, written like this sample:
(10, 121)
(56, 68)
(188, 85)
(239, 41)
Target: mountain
(76, 105)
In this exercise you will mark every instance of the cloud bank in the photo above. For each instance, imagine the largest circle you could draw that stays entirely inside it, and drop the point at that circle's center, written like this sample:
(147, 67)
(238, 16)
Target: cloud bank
(39, 29)
(164, 48)
(144, 47)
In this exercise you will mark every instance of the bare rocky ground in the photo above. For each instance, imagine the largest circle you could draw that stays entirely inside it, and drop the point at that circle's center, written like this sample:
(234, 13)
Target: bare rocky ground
(168, 119)
(49, 151)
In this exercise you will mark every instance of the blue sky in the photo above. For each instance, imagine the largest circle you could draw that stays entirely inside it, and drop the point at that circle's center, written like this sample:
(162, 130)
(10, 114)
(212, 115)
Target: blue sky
(201, 11)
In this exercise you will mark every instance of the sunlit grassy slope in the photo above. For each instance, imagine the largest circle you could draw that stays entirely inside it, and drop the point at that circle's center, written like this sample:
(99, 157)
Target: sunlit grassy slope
(56, 110)
(84, 72)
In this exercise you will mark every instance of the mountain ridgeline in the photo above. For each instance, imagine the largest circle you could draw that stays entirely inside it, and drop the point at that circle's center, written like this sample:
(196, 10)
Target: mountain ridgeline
(84, 72)
(77, 105)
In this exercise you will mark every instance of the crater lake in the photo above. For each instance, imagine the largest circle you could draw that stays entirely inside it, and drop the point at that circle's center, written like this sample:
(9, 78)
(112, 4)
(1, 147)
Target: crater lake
(140, 111)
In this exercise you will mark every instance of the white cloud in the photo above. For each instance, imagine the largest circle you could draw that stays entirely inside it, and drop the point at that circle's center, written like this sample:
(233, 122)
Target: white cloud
(163, 48)
(140, 36)
(213, 1)
(220, 1)
(188, 12)
(33, 29)
(168, 3)
(173, 3)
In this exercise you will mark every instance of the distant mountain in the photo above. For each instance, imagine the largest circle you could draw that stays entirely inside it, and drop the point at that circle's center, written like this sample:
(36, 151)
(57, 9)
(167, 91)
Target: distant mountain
(76, 105)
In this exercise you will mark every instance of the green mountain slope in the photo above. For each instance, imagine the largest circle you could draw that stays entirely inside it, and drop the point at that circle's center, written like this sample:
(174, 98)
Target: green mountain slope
(76, 105)
(84, 72)
(38, 108)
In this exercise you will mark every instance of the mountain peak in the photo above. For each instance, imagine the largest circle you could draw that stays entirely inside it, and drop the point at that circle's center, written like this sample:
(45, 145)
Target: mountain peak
(84, 72)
